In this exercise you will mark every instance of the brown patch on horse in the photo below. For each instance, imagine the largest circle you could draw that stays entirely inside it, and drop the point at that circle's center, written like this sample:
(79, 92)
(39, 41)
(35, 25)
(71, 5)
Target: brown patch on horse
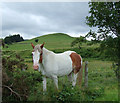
(40, 61)
(76, 62)
(41, 57)
(32, 45)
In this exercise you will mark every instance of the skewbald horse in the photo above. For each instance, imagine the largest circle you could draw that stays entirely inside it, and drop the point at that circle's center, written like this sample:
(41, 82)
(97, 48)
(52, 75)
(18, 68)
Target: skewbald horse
(53, 65)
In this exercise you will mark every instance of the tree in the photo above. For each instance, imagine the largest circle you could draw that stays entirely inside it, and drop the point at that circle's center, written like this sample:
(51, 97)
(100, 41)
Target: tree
(106, 16)
(13, 38)
(78, 41)
(7, 40)
(2, 43)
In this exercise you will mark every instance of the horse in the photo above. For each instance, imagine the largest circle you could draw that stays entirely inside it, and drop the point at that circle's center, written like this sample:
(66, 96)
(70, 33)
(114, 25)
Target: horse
(54, 65)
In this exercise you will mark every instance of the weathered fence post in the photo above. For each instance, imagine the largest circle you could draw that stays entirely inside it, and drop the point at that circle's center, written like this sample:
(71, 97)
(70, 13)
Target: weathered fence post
(86, 74)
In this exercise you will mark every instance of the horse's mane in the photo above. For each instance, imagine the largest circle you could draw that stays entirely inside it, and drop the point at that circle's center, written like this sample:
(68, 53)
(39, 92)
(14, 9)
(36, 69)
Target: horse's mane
(37, 47)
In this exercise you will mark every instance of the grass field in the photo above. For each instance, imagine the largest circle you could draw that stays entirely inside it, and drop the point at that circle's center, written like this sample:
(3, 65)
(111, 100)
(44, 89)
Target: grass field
(102, 84)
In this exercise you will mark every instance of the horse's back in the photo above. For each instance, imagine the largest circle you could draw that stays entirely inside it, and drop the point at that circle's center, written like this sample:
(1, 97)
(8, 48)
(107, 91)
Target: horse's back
(74, 59)
(64, 63)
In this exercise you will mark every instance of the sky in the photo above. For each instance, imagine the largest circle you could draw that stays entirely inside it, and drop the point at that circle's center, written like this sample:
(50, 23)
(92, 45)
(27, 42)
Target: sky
(33, 19)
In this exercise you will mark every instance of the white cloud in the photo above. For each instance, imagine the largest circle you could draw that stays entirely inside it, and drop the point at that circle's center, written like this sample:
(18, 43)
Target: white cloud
(32, 19)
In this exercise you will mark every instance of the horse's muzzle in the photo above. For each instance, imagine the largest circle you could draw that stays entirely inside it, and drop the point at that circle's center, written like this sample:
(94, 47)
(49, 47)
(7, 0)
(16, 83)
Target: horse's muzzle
(36, 67)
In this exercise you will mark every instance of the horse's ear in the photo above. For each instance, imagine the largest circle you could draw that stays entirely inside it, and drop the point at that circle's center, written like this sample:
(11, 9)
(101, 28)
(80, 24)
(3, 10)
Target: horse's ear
(42, 45)
(32, 45)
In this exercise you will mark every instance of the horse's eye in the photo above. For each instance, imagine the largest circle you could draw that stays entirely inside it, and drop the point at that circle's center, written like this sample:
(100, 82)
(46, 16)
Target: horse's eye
(32, 53)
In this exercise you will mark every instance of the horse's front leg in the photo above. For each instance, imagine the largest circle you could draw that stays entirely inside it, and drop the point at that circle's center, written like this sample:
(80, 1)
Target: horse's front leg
(44, 77)
(44, 84)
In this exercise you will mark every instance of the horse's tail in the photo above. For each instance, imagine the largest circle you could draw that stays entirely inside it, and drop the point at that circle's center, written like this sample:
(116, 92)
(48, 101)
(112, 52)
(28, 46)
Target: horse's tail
(80, 73)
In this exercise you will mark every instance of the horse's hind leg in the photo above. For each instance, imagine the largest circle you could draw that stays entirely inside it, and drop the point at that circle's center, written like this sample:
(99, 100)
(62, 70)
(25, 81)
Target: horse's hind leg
(70, 77)
(74, 79)
(55, 79)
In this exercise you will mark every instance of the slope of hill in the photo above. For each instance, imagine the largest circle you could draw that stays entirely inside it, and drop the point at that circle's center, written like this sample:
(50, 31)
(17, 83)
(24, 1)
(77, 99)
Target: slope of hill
(52, 41)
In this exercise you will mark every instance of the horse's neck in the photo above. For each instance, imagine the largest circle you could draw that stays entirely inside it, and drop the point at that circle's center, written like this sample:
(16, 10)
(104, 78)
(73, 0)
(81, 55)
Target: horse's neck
(46, 52)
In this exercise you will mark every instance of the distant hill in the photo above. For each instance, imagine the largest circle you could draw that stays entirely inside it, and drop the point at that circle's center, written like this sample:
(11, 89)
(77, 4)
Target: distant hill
(52, 41)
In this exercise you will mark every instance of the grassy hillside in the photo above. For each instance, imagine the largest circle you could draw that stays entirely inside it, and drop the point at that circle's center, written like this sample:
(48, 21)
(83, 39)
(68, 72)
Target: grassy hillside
(57, 43)
(52, 41)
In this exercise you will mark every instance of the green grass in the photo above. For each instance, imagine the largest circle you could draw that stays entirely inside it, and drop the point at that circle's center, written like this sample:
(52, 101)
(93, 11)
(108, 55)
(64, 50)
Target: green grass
(101, 74)
(52, 41)
(102, 84)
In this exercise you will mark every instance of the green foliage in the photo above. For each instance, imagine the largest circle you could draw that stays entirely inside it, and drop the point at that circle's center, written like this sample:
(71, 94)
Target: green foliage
(66, 94)
(2, 42)
(116, 70)
(93, 53)
(17, 81)
(106, 16)
(110, 47)
(92, 94)
(78, 41)
(12, 62)
(22, 82)
(13, 38)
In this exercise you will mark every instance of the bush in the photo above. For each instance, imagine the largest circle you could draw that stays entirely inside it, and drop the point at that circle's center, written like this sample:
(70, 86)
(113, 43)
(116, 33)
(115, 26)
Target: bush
(17, 84)
(13, 38)
(92, 93)
(22, 82)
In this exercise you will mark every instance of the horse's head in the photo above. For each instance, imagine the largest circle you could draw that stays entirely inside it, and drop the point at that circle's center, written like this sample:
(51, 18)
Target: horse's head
(37, 55)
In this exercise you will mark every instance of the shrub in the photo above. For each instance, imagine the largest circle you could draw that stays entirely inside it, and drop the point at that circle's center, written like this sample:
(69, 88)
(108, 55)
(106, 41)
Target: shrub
(13, 38)
(92, 93)
(17, 83)
(22, 82)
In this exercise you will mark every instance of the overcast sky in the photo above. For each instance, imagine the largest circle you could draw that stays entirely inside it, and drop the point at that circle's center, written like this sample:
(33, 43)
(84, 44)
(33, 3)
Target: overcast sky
(32, 19)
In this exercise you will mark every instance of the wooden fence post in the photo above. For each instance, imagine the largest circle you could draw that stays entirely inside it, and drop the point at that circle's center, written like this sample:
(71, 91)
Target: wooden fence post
(86, 74)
